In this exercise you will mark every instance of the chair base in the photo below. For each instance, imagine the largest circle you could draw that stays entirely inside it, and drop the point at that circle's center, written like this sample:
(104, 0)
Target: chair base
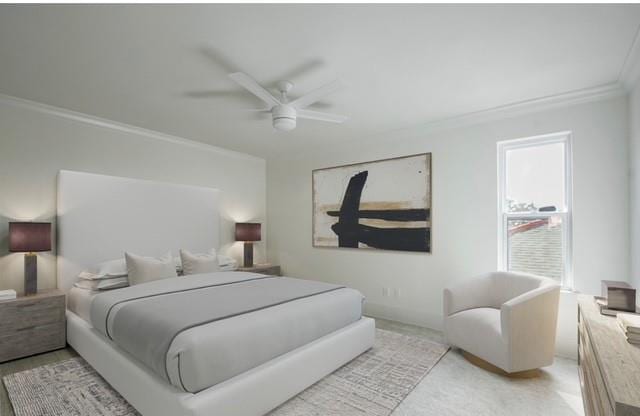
(479, 362)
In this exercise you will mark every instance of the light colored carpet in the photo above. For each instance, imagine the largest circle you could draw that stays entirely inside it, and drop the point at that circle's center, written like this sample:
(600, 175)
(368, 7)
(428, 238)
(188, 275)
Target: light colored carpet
(67, 388)
(373, 384)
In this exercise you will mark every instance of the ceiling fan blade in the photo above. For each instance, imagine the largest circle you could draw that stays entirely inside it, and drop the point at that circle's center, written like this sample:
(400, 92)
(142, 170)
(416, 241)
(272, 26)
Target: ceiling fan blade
(318, 115)
(316, 95)
(256, 89)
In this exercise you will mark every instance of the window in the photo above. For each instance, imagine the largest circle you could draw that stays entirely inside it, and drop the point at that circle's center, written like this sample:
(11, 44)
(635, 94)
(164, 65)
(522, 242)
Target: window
(534, 206)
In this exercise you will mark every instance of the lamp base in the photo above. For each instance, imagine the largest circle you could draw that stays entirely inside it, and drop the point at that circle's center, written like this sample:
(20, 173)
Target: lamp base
(30, 274)
(248, 254)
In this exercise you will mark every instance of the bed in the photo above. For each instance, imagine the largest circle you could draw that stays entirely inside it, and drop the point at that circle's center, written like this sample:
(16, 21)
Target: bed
(259, 340)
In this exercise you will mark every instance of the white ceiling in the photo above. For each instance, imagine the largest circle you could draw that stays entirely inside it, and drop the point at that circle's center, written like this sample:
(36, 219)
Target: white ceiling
(146, 65)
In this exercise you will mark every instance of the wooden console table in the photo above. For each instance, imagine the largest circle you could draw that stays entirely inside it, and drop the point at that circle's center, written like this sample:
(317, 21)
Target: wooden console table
(609, 366)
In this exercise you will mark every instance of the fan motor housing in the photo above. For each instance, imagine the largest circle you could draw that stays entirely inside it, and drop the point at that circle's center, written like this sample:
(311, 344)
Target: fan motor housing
(284, 117)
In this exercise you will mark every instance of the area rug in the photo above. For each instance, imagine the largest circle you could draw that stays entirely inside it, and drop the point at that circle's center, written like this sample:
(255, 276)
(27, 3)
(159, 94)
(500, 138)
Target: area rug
(373, 384)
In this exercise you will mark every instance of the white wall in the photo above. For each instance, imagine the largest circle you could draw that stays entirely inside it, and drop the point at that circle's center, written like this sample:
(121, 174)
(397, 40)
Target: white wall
(35, 145)
(634, 152)
(464, 211)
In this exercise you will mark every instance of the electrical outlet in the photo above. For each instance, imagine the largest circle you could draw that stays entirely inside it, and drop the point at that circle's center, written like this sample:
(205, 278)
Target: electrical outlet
(385, 291)
(396, 292)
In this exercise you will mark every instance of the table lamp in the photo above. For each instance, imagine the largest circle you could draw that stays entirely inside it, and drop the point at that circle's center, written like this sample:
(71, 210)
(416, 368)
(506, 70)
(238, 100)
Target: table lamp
(29, 237)
(248, 232)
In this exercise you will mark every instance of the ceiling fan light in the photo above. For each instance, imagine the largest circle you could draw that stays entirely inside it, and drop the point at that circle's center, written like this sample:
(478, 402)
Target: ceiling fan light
(283, 112)
(284, 123)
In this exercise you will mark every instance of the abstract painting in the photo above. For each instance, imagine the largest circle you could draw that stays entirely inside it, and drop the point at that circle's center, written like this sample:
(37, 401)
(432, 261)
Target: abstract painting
(385, 205)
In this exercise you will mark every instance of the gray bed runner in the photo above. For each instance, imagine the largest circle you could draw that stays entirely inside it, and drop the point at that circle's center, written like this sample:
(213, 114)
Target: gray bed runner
(145, 319)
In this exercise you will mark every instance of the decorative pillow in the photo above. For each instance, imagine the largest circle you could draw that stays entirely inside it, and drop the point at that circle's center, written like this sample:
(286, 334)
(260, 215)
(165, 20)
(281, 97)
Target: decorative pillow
(146, 269)
(86, 275)
(227, 263)
(225, 260)
(199, 263)
(102, 284)
(112, 268)
(178, 263)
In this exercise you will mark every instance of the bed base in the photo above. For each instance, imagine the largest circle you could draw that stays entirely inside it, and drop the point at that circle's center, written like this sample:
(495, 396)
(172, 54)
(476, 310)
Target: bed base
(252, 393)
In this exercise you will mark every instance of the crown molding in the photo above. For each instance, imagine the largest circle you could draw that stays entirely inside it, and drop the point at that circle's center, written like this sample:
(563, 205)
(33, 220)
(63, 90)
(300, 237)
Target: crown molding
(582, 96)
(114, 125)
(630, 73)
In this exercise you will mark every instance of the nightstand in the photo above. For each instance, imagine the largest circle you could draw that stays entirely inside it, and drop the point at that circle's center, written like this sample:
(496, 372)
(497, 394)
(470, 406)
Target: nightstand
(262, 269)
(32, 324)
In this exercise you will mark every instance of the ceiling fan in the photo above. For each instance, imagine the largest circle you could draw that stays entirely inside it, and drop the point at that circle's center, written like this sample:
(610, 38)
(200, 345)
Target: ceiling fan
(284, 112)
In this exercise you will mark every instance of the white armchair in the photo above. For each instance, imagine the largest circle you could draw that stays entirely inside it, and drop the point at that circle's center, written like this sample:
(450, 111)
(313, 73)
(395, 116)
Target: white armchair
(507, 319)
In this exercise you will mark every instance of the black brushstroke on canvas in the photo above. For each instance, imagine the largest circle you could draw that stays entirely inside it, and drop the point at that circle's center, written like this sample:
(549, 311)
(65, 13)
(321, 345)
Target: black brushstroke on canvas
(411, 214)
(350, 232)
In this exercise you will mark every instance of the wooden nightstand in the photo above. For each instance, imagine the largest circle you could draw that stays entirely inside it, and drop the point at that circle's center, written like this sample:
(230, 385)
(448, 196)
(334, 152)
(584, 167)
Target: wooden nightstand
(32, 324)
(262, 268)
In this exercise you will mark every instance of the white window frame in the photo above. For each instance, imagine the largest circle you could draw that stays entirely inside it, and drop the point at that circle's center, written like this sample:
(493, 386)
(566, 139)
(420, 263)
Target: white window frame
(565, 212)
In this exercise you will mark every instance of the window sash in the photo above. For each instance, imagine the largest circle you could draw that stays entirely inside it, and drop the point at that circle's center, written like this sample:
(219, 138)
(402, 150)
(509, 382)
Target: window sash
(564, 212)
(509, 239)
(529, 215)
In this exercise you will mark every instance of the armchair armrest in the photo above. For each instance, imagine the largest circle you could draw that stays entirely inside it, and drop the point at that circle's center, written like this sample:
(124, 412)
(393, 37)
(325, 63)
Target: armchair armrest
(529, 323)
(474, 293)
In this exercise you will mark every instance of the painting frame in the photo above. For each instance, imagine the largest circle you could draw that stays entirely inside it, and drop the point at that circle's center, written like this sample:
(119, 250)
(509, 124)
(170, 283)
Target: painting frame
(428, 189)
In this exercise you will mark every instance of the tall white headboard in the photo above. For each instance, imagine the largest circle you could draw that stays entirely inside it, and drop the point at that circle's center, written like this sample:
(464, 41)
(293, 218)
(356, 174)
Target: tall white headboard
(100, 217)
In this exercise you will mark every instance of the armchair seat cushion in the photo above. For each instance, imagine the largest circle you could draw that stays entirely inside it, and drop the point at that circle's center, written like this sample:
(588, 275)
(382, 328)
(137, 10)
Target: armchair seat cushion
(478, 331)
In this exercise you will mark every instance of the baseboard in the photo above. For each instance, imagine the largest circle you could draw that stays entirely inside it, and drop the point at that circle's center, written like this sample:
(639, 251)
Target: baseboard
(403, 315)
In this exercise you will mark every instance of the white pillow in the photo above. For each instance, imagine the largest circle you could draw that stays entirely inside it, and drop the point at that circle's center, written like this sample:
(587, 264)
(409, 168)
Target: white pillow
(225, 260)
(227, 263)
(178, 263)
(146, 269)
(199, 263)
(86, 275)
(118, 268)
(102, 284)
(112, 268)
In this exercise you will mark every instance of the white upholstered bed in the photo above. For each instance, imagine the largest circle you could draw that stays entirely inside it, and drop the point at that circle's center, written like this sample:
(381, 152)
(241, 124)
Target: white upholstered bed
(101, 216)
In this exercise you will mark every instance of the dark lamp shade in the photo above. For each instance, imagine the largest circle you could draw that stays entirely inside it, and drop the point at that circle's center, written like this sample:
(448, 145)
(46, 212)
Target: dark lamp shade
(248, 231)
(29, 236)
